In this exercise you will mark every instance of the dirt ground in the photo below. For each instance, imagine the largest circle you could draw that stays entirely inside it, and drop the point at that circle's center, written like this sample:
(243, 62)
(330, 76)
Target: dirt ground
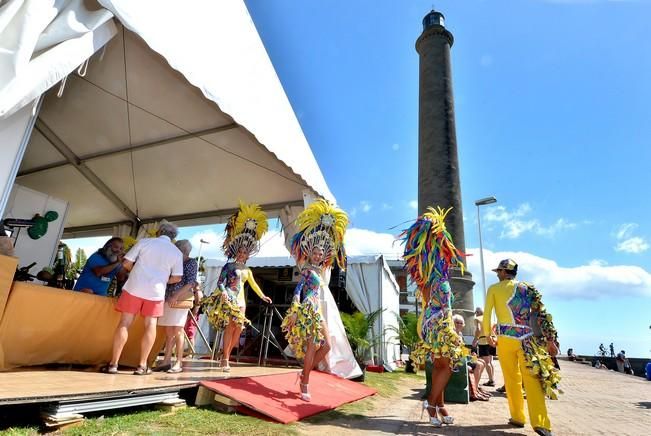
(595, 402)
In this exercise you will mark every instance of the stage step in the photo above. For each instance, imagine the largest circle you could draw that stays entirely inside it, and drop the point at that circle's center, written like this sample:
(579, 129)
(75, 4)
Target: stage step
(63, 409)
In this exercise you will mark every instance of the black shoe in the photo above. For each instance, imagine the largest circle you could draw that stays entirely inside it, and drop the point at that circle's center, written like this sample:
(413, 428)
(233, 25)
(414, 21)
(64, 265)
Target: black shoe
(501, 390)
(489, 383)
(515, 423)
(543, 431)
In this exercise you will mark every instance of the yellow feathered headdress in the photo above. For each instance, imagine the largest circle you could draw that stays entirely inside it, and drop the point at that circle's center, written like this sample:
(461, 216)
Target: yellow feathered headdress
(244, 230)
(321, 225)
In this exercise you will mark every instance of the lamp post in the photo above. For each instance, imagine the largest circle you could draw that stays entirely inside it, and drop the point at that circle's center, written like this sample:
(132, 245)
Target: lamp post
(482, 202)
(201, 242)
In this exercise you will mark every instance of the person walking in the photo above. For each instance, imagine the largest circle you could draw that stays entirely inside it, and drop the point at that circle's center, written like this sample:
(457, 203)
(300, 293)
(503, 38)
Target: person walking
(316, 246)
(526, 341)
(429, 254)
(226, 307)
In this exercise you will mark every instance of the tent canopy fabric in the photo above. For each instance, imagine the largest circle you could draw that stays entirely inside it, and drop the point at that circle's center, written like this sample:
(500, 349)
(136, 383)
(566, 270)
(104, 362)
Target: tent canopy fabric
(178, 113)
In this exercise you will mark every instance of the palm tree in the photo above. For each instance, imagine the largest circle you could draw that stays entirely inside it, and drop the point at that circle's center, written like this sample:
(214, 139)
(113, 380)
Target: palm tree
(358, 330)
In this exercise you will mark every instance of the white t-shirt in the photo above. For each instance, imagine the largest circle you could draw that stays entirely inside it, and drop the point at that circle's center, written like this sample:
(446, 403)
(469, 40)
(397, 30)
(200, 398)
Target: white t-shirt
(155, 260)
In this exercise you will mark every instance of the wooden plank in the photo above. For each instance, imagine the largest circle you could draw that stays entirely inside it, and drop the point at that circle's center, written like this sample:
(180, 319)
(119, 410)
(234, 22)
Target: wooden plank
(43, 385)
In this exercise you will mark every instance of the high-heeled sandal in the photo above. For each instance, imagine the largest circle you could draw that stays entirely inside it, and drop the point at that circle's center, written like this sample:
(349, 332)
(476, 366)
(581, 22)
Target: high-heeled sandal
(305, 396)
(225, 366)
(434, 420)
(447, 419)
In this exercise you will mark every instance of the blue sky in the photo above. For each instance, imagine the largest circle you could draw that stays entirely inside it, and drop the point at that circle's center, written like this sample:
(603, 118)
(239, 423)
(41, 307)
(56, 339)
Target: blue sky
(552, 119)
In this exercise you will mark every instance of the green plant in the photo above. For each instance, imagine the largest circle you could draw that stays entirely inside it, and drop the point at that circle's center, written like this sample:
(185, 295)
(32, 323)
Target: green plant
(407, 334)
(407, 330)
(358, 328)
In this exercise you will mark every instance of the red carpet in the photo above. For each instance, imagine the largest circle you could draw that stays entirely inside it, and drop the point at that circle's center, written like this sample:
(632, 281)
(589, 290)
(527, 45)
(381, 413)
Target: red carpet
(278, 396)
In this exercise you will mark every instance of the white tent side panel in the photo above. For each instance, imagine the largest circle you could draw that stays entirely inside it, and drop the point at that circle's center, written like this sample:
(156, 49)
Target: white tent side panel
(14, 135)
(25, 203)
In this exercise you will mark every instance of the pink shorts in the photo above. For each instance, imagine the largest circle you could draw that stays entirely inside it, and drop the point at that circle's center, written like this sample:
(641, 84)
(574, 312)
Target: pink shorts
(128, 303)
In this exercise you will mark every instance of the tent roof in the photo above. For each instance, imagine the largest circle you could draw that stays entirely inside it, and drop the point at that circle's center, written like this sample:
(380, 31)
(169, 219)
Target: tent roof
(180, 124)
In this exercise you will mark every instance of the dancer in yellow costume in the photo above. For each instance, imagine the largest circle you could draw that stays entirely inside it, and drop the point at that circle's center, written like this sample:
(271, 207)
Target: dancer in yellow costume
(429, 254)
(526, 341)
(318, 243)
(226, 307)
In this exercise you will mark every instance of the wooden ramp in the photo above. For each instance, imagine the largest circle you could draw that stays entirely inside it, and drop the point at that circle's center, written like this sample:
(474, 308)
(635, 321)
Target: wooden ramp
(45, 385)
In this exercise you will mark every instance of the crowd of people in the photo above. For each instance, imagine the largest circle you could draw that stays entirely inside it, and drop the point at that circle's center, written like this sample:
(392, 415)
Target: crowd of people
(159, 282)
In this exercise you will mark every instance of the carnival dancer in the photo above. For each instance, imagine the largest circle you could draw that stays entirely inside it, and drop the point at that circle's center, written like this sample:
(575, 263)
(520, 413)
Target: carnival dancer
(226, 307)
(429, 254)
(317, 245)
(525, 343)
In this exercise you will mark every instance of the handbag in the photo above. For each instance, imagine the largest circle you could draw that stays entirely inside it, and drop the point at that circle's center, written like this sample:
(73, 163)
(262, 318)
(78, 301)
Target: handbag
(184, 304)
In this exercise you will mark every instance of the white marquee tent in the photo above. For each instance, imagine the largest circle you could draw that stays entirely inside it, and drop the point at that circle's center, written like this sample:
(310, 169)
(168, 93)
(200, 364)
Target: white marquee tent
(369, 284)
(146, 109)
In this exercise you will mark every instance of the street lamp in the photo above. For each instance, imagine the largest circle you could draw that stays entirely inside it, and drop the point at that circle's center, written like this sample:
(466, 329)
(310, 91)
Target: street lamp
(482, 202)
(201, 242)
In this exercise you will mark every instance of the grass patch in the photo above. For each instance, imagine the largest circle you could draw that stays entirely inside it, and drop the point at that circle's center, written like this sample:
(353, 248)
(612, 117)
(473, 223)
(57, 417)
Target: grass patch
(187, 421)
(146, 420)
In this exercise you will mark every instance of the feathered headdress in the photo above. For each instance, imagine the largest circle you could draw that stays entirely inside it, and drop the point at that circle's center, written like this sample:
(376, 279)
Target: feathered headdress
(244, 230)
(429, 250)
(321, 225)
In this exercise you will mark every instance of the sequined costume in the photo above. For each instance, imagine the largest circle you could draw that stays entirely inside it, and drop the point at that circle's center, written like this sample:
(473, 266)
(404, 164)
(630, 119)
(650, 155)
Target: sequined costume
(322, 225)
(231, 281)
(429, 253)
(524, 328)
(243, 232)
(307, 310)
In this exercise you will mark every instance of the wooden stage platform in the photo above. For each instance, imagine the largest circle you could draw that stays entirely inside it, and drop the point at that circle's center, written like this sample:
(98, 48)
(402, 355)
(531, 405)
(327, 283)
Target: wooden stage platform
(47, 385)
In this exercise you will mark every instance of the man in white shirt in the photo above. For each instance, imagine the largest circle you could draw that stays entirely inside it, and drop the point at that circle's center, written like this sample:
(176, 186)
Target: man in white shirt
(153, 263)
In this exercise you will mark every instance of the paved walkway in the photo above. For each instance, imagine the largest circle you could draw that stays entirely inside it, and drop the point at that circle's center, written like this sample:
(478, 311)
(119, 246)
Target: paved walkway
(596, 402)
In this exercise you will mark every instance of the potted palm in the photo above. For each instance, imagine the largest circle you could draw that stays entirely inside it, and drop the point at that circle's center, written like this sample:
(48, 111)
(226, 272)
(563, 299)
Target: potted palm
(359, 332)
(408, 335)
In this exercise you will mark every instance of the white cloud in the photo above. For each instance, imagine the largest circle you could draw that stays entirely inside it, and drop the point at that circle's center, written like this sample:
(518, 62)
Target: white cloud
(591, 281)
(213, 248)
(413, 204)
(633, 245)
(515, 223)
(362, 241)
(625, 231)
(395, 147)
(598, 262)
(386, 206)
(627, 242)
(365, 206)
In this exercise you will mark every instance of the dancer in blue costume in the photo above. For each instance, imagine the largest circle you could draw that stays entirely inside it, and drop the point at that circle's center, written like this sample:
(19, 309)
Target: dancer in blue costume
(319, 242)
(226, 307)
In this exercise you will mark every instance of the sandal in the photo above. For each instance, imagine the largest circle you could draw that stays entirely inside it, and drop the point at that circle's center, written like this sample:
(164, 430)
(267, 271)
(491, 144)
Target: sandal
(109, 369)
(161, 368)
(142, 370)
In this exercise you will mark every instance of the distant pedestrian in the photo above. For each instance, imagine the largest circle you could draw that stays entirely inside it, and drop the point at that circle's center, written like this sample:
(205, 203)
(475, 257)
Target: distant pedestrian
(623, 365)
(612, 350)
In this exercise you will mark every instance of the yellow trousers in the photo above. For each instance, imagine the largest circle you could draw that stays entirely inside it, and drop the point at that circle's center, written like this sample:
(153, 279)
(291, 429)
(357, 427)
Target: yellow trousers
(515, 371)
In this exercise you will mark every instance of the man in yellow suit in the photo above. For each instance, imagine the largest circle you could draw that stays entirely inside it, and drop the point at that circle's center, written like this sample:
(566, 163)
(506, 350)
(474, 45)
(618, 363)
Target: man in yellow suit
(526, 340)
